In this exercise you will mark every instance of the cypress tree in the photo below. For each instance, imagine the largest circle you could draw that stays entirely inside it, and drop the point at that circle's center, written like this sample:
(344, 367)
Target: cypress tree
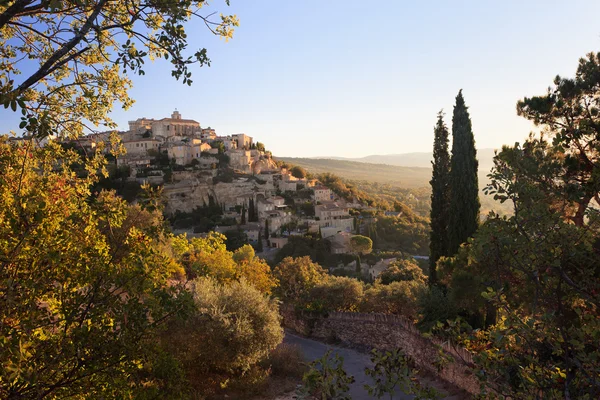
(464, 188)
(266, 229)
(244, 214)
(440, 197)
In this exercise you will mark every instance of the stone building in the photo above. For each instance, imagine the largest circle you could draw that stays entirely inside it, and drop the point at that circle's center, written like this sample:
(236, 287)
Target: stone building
(322, 193)
(166, 127)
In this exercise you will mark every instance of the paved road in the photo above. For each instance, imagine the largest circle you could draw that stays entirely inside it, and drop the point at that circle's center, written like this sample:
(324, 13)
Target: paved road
(354, 363)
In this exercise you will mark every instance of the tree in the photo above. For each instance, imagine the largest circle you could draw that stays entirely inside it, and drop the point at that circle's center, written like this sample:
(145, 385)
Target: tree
(464, 189)
(298, 172)
(570, 114)
(86, 283)
(254, 270)
(243, 215)
(251, 211)
(539, 268)
(402, 270)
(336, 293)
(297, 276)
(266, 229)
(360, 245)
(83, 53)
(396, 298)
(440, 197)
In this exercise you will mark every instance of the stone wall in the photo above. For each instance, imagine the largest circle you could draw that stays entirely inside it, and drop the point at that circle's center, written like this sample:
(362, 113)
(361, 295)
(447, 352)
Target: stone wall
(383, 331)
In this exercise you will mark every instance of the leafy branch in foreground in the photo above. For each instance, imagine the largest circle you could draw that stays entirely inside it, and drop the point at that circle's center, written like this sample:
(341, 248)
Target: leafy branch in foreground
(392, 372)
(65, 62)
(326, 379)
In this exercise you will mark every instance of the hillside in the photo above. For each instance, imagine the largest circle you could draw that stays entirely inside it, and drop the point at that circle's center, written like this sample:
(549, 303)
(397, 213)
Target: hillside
(399, 176)
(422, 159)
(407, 177)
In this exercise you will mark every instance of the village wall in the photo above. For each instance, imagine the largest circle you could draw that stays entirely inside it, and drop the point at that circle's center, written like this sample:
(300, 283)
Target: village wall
(384, 331)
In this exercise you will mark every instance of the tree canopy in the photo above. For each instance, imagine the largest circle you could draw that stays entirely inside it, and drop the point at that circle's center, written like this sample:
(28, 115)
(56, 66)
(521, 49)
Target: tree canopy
(464, 188)
(66, 63)
(440, 197)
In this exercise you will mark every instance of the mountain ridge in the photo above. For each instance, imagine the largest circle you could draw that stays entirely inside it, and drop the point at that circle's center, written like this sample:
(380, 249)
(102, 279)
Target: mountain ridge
(412, 159)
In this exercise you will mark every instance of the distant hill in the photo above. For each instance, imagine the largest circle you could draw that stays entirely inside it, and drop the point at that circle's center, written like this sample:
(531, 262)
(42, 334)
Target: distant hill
(423, 160)
(407, 177)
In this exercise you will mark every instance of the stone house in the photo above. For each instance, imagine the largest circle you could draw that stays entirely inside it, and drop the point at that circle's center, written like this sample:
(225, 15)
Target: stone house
(242, 140)
(340, 243)
(140, 147)
(252, 231)
(277, 242)
(264, 206)
(322, 193)
(380, 266)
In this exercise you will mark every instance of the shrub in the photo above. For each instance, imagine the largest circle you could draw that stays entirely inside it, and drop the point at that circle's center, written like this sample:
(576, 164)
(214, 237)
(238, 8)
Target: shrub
(297, 276)
(396, 298)
(235, 327)
(402, 270)
(337, 294)
(434, 305)
(286, 360)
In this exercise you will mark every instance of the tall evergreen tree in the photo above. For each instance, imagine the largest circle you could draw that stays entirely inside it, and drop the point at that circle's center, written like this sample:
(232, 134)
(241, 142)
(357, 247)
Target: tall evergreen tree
(464, 188)
(440, 197)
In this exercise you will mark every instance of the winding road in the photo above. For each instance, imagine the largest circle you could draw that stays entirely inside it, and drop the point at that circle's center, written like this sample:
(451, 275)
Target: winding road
(354, 364)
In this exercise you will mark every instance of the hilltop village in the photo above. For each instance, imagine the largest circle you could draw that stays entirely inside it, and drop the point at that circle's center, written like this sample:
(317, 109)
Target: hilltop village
(225, 183)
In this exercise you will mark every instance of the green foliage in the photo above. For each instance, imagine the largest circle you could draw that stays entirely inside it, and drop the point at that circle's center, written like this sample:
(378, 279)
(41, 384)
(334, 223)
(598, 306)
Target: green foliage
(74, 81)
(396, 298)
(202, 218)
(464, 188)
(236, 238)
(326, 378)
(402, 270)
(300, 246)
(286, 361)
(336, 294)
(440, 198)
(434, 306)
(392, 371)
(85, 283)
(297, 276)
(298, 172)
(234, 328)
(537, 273)
(408, 233)
(361, 244)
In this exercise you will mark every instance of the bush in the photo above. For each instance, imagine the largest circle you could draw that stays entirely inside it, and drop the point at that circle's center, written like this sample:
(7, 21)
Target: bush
(434, 305)
(396, 298)
(297, 276)
(336, 294)
(235, 327)
(285, 361)
(402, 270)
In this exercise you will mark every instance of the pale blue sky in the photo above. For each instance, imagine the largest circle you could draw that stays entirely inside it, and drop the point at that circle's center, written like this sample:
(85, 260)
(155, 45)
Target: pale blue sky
(352, 78)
